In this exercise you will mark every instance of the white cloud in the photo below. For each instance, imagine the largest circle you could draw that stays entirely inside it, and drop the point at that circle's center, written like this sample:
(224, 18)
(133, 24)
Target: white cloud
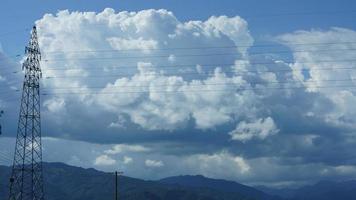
(104, 160)
(281, 171)
(235, 28)
(120, 148)
(132, 44)
(261, 128)
(127, 160)
(220, 164)
(320, 69)
(148, 95)
(55, 105)
(154, 163)
(120, 123)
(172, 58)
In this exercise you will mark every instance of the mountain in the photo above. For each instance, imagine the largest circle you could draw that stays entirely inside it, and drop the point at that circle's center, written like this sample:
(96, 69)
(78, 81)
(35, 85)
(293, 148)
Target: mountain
(323, 190)
(75, 183)
(327, 190)
(217, 184)
(285, 193)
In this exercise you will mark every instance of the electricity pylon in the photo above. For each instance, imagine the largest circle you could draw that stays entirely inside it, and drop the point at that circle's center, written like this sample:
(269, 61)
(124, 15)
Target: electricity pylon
(26, 182)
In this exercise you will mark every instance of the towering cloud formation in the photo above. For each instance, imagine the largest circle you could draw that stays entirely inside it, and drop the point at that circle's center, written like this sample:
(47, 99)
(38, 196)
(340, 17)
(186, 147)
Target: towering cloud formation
(320, 64)
(170, 74)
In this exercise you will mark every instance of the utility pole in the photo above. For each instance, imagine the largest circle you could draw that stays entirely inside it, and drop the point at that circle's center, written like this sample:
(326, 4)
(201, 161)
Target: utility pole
(26, 182)
(117, 174)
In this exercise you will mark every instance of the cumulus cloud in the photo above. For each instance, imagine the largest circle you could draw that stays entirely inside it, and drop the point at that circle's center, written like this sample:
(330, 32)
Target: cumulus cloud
(222, 161)
(2, 78)
(154, 94)
(54, 105)
(130, 44)
(120, 148)
(127, 160)
(260, 128)
(236, 28)
(331, 61)
(104, 160)
(154, 163)
(282, 171)
(120, 123)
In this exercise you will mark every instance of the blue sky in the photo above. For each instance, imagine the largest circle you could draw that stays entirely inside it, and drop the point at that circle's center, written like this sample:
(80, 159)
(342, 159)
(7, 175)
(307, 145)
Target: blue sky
(265, 17)
(148, 92)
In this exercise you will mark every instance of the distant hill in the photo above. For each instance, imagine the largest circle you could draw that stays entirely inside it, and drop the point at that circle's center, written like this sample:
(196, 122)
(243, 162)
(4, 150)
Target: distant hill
(216, 184)
(285, 193)
(324, 190)
(64, 182)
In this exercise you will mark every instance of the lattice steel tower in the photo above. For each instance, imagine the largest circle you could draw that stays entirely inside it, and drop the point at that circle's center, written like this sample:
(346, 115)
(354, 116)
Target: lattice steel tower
(26, 182)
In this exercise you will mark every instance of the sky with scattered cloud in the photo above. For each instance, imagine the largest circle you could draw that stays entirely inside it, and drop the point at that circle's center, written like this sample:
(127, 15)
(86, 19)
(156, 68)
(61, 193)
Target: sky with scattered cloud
(155, 96)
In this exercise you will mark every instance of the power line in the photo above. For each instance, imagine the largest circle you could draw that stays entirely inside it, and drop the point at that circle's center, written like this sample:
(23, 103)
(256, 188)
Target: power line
(189, 55)
(227, 84)
(199, 47)
(4, 160)
(203, 48)
(203, 84)
(4, 34)
(5, 157)
(234, 64)
(229, 72)
(199, 74)
(195, 64)
(223, 64)
(234, 72)
(198, 91)
(333, 12)
(216, 47)
(237, 72)
(194, 73)
(5, 57)
(173, 68)
(145, 57)
(11, 33)
(198, 55)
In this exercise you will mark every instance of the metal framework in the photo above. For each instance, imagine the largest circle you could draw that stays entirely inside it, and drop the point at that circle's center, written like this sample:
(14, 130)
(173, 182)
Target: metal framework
(26, 182)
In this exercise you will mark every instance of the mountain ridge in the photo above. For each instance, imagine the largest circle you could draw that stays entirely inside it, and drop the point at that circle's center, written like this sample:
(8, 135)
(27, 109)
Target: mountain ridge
(219, 184)
(67, 182)
(63, 181)
(322, 190)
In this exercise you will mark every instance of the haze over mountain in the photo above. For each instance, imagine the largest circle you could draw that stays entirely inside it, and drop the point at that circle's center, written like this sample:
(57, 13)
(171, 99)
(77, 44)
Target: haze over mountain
(323, 190)
(220, 185)
(74, 183)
